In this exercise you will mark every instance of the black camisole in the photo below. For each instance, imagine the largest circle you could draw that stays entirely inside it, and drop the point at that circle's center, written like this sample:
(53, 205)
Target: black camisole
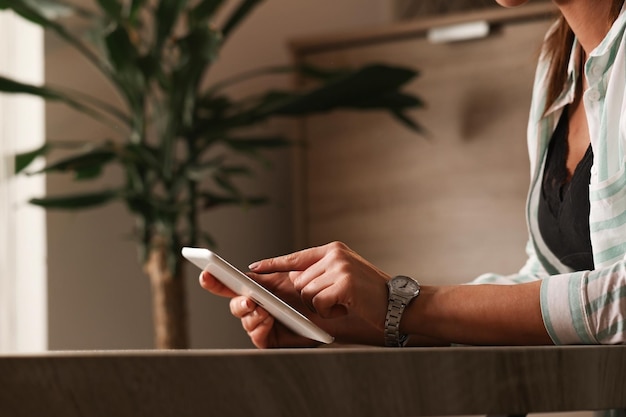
(564, 205)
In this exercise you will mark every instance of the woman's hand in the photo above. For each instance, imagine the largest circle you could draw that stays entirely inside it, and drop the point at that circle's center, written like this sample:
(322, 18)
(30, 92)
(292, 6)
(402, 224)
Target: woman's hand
(333, 281)
(332, 285)
(263, 329)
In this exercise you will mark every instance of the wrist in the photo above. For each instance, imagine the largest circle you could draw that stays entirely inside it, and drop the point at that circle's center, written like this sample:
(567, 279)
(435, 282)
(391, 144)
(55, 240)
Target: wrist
(419, 317)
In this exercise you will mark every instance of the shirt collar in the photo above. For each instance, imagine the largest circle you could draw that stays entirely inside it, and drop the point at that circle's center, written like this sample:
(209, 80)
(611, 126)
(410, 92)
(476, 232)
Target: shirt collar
(612, 37)
(605, 48)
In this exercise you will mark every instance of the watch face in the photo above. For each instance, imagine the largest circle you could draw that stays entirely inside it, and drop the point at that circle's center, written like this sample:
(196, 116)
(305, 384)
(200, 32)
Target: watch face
(405, 285)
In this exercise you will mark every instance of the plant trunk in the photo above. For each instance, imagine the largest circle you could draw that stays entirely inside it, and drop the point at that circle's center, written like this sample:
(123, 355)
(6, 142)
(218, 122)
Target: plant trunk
(168, 300)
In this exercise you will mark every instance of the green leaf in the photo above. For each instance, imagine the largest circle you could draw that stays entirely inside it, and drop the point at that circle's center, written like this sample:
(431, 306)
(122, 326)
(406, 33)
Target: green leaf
(166, 15)
(28, 10)
(150, 67)
(154, 209)
(199, 48)
(245, 7)
(255, 143)
(14, 87)
(407, 121)
(212, 109)
(319, 73)
(138, 205)
(112, 8)
(253, 147)
(120, 50)
(213, 121)
(304, 70)
(141, 155)
(88, 172)
(86, 165)
(204, 11)
(77, 201)
(125, 59)
(50, 9)
(210, 200)
(223, 180)
(231, 170)
(392, 100)
(360, 88)
(23, 160)
(201, 171)
(245, 76)
(134, 9)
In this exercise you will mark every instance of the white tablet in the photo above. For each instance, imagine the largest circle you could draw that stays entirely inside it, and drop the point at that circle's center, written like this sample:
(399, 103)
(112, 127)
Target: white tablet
(244, 285)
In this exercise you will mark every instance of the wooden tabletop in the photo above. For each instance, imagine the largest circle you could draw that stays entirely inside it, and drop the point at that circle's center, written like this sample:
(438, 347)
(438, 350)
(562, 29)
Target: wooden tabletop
(314, 382)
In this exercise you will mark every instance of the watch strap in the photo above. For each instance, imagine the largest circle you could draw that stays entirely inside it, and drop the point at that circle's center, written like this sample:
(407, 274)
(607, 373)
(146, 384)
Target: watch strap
(393, 337)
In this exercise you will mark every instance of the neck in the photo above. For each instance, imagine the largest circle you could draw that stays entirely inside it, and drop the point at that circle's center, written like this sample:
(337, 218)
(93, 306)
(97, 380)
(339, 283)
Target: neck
(589, 20)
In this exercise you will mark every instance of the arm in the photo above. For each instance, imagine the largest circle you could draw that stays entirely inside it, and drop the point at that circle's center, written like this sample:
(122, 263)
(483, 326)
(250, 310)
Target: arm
(584, 307)
(347, 296)
(478, 314)
(522, 325)
(337, 283)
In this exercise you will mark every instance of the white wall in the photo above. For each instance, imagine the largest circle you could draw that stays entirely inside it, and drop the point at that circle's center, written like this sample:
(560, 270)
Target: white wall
(98, 296)
(22, 227)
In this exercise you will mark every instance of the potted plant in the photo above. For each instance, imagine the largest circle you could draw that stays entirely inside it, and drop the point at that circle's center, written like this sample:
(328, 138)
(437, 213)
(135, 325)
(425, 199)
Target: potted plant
(156, 55)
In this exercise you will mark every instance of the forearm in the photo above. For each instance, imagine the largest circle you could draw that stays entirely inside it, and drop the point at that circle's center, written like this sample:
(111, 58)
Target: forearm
(478, 315)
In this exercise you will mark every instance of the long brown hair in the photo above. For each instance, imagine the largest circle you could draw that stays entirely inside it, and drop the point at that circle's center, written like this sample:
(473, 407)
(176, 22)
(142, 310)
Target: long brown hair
(558, 47)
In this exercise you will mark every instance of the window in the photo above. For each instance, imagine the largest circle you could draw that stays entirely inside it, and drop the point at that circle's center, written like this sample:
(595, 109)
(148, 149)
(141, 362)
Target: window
(22, 227)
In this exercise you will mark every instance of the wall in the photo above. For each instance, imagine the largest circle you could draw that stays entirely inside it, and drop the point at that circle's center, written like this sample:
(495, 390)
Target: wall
(417, 205)
(98, 296)
(407, 9)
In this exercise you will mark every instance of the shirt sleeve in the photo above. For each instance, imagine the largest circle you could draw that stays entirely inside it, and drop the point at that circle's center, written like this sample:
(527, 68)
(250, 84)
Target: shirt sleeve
(586, 307)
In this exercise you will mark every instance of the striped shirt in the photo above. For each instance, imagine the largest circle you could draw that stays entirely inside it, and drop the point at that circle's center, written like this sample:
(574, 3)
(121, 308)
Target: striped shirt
(583, 307)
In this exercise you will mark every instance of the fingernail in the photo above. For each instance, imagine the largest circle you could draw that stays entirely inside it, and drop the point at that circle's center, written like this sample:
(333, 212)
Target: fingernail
(253, 266)
(244, 303)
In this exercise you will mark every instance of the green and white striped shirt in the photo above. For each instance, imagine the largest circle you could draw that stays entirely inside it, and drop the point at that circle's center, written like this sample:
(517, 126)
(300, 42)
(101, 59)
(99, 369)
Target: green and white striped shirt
(584, 306)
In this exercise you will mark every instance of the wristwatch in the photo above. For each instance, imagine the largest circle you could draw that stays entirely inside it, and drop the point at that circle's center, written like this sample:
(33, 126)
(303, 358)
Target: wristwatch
(402, 290)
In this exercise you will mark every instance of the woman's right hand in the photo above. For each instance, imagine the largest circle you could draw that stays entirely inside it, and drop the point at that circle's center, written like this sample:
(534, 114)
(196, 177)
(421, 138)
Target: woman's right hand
(331, 285)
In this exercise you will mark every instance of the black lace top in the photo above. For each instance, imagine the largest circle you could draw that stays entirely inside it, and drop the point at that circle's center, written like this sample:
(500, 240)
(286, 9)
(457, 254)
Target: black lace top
(564, 205)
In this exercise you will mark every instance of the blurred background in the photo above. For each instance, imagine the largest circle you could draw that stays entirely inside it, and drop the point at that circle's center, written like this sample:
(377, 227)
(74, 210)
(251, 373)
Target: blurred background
(76, 280)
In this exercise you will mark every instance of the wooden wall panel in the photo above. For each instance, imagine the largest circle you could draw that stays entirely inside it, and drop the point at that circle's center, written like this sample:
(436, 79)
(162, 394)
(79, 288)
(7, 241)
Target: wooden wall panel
(445, 208)
(411, 9)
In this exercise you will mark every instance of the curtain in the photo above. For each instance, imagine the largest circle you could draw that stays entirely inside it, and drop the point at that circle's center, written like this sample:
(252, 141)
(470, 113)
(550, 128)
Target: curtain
(22, 227)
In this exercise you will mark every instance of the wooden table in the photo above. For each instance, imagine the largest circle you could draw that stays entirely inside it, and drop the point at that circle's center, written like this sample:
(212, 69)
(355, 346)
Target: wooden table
(313, 382)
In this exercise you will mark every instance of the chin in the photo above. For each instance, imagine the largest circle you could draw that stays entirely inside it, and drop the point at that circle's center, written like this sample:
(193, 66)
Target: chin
(511, 3)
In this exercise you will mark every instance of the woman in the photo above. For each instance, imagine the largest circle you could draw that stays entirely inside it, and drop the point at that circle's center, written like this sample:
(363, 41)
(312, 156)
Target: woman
(572, 289)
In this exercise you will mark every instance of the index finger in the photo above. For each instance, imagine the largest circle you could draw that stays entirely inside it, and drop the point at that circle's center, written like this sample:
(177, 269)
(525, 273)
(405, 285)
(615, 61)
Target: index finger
(297, 261)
